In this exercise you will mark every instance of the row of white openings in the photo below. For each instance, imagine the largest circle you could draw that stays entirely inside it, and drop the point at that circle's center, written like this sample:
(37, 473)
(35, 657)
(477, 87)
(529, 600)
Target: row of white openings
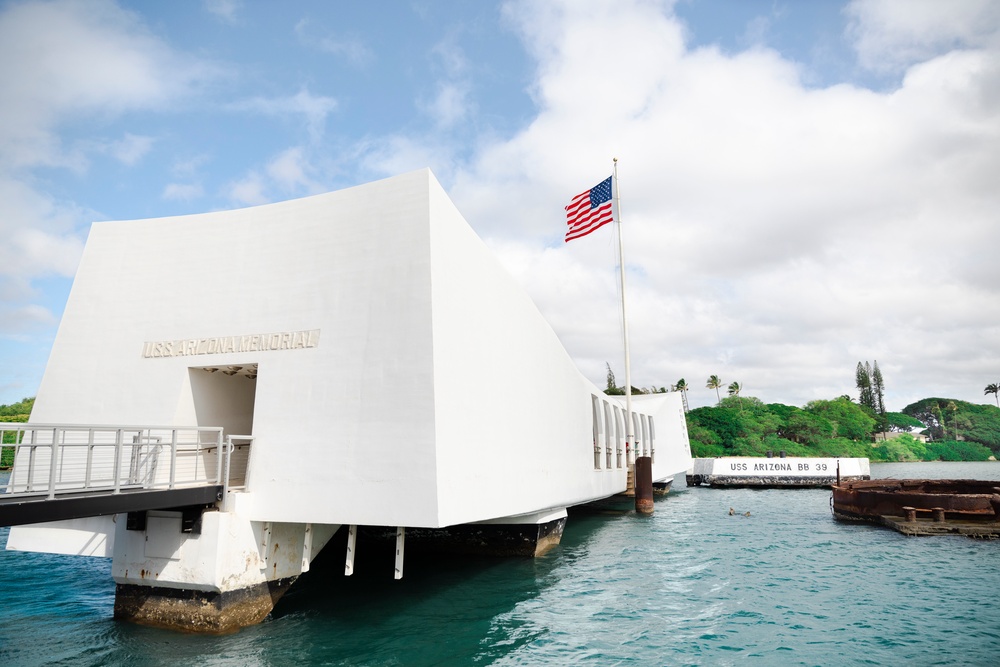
(609, 434)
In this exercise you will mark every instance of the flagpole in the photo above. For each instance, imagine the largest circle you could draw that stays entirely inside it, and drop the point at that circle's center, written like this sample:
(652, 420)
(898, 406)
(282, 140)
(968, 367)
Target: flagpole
(629, 435)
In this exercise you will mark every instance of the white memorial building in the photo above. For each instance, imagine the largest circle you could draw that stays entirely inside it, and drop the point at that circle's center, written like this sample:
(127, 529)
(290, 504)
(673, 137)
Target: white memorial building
(380, 368)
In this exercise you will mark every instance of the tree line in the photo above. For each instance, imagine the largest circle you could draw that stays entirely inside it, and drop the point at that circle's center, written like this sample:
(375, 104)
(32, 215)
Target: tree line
(612, 388)
(15, 412)
(842, 428)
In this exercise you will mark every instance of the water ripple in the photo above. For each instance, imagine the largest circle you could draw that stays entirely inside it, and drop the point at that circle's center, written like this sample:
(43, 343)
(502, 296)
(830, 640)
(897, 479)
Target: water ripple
(692, 585)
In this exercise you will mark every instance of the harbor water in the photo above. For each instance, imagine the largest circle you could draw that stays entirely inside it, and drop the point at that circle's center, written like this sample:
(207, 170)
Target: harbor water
(777, 581)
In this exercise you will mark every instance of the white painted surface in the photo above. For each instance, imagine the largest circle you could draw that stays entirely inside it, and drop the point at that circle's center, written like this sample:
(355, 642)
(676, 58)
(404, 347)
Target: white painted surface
(230, 553)
(740, 466)
(93, 536)
(431, 391)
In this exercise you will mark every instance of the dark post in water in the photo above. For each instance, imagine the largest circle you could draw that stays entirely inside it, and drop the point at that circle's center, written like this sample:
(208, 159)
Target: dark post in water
(644, 485)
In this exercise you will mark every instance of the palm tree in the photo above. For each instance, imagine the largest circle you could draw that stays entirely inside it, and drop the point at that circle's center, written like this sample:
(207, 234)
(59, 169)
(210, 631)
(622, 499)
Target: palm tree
(682, 387)
(714, 382)
(995, 390)
(734, 390)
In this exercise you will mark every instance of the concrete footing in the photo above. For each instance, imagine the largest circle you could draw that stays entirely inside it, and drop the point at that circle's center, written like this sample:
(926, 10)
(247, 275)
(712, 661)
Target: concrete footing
(225, 576)
(480, 539)
(198, 611)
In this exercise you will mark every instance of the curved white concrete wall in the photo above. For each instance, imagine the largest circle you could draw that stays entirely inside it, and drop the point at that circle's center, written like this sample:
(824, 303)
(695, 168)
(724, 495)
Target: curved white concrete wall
(426, 389)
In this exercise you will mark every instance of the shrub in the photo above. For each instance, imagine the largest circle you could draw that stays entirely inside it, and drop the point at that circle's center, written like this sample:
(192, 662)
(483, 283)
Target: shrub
(951, 450)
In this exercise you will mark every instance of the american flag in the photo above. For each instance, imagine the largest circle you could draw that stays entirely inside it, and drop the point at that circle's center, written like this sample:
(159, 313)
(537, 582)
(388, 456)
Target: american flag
(589, 210)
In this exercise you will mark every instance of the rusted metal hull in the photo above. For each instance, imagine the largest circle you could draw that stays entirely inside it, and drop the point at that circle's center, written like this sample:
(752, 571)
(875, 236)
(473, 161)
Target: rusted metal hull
(922, 506)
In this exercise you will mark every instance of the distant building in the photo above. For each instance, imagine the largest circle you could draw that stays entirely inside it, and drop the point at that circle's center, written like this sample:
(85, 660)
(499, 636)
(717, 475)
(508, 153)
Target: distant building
(889, 435)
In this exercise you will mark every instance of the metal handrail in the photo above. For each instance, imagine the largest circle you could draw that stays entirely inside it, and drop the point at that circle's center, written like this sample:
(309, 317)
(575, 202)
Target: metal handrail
(230, 446)
(87, 457)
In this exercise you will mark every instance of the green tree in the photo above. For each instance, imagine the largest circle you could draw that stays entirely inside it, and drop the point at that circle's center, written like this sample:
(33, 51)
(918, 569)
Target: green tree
(722, 422)
(951, 450)
(862, 378)
(840, 428)
(805, 427)
(953, 409)
(15, 412)
(976, 422)
(682, 387)
(714, 382)
(936, 423)
(734, 390)
(878, 398)
(897, 421)
(995, 390)
(612, 389)
(849, 420)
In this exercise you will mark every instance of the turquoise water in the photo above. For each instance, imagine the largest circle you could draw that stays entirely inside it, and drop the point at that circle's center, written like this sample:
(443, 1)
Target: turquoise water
(691, 585)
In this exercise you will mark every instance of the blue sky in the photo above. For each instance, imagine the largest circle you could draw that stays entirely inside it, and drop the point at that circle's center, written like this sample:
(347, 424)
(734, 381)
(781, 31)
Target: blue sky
(805, 185)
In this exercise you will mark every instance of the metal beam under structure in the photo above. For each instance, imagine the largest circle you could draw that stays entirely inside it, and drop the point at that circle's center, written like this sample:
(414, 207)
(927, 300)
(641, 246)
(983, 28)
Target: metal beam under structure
(23, 510)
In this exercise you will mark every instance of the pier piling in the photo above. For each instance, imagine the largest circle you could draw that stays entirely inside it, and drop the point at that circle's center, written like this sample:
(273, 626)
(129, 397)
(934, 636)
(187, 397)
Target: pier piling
(644, 485)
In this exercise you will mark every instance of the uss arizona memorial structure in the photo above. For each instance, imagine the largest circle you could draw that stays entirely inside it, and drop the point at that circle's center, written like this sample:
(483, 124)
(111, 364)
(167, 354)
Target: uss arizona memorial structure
(371, 364)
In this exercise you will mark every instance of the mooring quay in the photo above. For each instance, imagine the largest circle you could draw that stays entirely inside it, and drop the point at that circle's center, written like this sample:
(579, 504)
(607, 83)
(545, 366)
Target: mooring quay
(780, 471)
(923, 506)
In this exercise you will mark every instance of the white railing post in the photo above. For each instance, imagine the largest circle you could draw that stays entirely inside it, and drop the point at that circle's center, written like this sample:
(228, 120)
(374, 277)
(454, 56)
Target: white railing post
(218, 458)
(229, 453)
(173, 458)
(13, 469)
(88, 475)
(53, 464)
(31, 461)
(119, 440)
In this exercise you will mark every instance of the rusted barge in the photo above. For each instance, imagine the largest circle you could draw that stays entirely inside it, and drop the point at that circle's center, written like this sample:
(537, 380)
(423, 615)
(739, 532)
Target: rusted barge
(923, 506)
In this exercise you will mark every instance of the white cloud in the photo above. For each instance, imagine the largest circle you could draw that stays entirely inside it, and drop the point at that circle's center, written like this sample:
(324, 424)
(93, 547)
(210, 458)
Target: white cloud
(397, 154)
(352, 49)
(182, 191)
(128, 150)
(69, 58)
(224, 9)
(891, 35)
(39, 234)
(450, 104)
(63, 62)
(22, 322)
(313, 108)
(190, 166)
(131, 148)
(289, 171)
(248, 191)
(776, 233)
(285, 176)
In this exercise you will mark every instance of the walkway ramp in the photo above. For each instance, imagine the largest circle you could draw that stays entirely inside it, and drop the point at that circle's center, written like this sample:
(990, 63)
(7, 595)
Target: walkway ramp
(64, 471)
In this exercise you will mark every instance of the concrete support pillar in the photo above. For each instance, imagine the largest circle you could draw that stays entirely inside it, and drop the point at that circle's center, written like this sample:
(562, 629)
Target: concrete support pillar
(228, 576)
